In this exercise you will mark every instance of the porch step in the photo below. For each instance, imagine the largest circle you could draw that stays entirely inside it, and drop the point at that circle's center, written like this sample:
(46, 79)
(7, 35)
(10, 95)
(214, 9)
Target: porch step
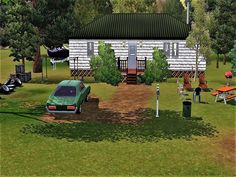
(131, 79)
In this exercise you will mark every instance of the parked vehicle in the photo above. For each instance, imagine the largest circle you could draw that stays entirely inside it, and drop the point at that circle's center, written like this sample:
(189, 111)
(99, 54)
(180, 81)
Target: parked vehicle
(68, 97)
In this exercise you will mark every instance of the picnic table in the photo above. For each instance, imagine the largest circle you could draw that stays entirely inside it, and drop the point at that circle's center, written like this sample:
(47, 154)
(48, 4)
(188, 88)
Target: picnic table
(225, 93)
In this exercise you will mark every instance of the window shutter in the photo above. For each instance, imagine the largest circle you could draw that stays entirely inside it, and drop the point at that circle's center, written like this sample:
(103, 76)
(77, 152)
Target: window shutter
(168, 51)
(166, 48)
(175, 50)
(90, 49)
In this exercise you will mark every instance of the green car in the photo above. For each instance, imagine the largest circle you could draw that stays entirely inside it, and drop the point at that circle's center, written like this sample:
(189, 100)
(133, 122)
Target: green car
(68, 97)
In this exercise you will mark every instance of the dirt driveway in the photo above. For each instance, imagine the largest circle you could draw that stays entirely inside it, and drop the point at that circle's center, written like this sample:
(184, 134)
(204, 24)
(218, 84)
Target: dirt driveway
(125, 106)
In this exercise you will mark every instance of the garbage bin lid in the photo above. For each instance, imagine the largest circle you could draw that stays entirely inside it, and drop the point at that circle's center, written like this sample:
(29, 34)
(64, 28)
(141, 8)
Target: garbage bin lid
(187, 102)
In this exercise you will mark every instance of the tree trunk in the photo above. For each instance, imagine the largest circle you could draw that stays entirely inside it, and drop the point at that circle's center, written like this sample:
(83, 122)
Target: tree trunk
(225, 58)
(23, 61)
(37, 68)
(217, 61)
(196, 67)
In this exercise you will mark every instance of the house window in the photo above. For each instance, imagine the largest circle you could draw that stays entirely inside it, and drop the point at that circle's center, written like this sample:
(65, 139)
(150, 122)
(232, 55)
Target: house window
(175, 50)
(123, 44)
(166, 48)
(141, 44)
(90, 49)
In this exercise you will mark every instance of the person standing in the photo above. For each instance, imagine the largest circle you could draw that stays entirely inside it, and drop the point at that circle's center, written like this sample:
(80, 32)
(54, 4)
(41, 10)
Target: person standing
(197, 92)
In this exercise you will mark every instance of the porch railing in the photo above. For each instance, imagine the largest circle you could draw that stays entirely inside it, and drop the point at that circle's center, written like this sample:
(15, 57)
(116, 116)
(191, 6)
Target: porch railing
(123, 64)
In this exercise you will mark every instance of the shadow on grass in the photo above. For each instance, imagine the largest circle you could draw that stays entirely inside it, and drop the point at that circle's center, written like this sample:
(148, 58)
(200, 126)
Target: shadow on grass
(33, 113)
(169, 126)
(229, 102)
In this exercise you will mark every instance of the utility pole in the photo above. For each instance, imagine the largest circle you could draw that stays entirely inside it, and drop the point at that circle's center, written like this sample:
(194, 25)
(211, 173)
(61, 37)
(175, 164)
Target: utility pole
(188, 6)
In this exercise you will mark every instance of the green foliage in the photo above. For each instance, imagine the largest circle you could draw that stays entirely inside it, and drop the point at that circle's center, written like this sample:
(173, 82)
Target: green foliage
(175, 8)
(3, 20)
(157, 69)
(132, 6)
(232, 55)
(199, 37)
(224, 32)
(104, 65)
(211, 5)
(21, 33)
(6, 2)
(55, 20)
(87, 10)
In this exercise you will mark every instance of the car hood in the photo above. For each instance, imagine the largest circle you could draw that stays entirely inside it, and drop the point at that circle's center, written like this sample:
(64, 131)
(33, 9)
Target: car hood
(54, 100)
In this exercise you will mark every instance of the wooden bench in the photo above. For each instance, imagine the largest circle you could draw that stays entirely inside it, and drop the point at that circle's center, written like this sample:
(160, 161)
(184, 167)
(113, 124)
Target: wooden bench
(215, 93)
(229, 97)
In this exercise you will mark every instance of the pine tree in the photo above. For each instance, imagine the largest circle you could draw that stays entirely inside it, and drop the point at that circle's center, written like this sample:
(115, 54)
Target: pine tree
(224, 32)
(21, 33)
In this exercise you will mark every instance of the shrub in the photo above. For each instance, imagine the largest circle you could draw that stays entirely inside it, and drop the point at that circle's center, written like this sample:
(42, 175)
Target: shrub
(104, 65)
(157, 69)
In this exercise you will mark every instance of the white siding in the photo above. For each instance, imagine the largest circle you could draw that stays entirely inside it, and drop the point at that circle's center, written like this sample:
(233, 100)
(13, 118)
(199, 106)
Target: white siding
(185, 60)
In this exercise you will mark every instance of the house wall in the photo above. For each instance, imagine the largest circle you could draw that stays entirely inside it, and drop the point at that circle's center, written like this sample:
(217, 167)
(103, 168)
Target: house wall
(184, 62)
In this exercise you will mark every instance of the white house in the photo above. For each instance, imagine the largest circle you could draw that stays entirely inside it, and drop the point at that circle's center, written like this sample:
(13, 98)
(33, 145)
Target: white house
(133, 37)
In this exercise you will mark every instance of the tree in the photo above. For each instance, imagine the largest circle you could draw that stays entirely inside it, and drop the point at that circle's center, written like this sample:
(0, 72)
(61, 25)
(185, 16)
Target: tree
(174, 8)
(199, 37)
(104, 65)
(87, 10)
(157, 69)
(210, 5)
(132, 6)
(224, 32)
(4, 7)
(55, 21)
(158, 5)
(22, 35)
(232, 55)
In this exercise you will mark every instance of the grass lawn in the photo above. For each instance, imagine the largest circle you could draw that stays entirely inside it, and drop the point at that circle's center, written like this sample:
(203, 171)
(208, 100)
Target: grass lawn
(166, 146)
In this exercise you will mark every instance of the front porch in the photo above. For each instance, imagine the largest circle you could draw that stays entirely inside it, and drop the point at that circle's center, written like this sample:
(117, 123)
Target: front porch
(123, 66)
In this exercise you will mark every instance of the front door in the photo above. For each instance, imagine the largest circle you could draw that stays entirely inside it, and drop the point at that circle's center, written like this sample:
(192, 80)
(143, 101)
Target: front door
(132, 57)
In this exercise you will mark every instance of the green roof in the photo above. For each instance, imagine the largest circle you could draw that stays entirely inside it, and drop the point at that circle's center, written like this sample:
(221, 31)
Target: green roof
(134, 26)
(69, 83)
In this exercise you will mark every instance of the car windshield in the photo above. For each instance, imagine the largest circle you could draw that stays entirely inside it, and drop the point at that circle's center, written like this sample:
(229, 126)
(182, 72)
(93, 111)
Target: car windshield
(65, 91)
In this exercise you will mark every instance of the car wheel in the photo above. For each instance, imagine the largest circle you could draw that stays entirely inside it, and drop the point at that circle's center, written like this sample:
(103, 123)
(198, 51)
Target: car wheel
(79, 110)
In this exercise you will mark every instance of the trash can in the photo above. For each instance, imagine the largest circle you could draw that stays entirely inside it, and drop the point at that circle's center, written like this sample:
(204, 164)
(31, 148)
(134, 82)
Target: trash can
(187, 109)
(20, 69)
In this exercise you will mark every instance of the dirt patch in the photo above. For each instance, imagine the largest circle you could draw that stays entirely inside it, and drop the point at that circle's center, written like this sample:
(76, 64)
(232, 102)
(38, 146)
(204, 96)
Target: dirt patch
(228, 149)
(126, 106)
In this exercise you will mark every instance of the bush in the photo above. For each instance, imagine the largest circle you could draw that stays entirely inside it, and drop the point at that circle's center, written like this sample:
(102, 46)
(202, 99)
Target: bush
(104, 65)
(157, 69)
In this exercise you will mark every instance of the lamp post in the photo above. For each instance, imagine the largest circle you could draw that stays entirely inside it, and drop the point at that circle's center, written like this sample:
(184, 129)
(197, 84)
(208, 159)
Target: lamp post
(157, 93)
